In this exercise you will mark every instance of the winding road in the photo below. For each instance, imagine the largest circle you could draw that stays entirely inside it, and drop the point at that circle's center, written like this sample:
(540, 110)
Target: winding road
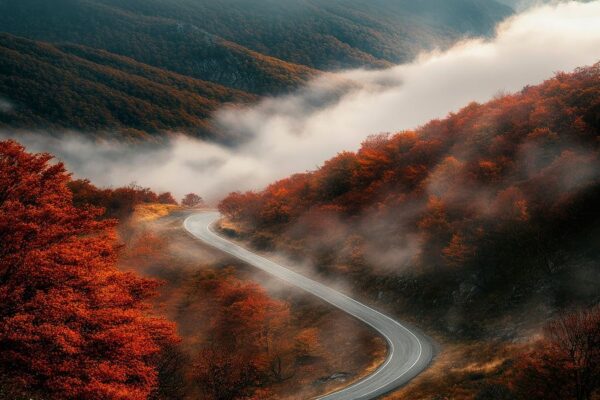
(409, 351)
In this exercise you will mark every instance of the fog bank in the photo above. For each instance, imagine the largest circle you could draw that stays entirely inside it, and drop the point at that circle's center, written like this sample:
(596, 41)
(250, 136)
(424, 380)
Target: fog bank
(293, 133)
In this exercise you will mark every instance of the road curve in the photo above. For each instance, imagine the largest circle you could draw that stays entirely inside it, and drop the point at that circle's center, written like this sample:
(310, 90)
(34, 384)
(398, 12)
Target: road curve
(409, 352)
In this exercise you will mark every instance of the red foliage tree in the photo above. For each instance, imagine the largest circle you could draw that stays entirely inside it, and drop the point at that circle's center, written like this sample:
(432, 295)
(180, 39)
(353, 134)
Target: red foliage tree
(166, 198)
(71, 325)
(241, 206)
(566, 362)
(192, 200)
(117, 203)
(248, 345)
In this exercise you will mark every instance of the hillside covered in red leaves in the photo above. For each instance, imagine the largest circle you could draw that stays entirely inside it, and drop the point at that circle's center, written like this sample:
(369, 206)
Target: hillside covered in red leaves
(96, 304)
(72, 326)
(496, 201)
(482, 227)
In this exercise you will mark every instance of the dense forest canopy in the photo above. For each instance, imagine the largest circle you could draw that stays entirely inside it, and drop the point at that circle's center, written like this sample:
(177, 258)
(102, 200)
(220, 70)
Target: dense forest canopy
(320, 34)
(74, 87)
(157, 66)
(492, 205)
(72, 325)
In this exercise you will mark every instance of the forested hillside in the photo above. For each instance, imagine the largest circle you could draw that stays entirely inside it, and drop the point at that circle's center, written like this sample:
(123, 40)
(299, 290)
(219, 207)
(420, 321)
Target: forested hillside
(75, 87)
(317, 33)
(155, 40)
(269, 48)
(482, 227)
(471, 215)
(73, 326)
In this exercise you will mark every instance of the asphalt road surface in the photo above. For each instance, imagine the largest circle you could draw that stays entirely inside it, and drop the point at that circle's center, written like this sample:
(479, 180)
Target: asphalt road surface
(409, 351)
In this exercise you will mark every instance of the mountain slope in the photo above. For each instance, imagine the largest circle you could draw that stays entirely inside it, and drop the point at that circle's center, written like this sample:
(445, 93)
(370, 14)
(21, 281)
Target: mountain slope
(143, 67)
(489, 213)
(157, 41)
(194, 37)
(328, 34)
(80, 88)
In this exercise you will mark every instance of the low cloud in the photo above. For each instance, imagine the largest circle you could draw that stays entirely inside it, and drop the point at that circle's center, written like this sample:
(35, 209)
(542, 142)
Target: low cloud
(293, 133)
(180, 165)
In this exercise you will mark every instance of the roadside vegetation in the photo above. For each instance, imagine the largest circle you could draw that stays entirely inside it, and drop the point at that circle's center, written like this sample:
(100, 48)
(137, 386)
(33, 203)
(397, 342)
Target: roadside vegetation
(481, 228)
(104, 296)
(72, 325)
(244, 334)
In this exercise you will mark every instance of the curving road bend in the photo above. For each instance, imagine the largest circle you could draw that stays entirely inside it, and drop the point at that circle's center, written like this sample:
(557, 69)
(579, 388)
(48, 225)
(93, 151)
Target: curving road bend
(409, 352)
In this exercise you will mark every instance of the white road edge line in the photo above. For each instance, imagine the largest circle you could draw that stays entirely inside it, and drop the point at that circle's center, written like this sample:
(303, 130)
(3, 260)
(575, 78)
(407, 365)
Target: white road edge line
(387, 338)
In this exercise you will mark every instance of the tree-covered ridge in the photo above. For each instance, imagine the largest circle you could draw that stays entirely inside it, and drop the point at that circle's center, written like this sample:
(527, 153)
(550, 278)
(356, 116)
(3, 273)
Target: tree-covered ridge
(327, 34)
(482, 225)
(480, 211)
(195, 37)
(154, 40)
(483, 145)
(119, 65)
(75, 87)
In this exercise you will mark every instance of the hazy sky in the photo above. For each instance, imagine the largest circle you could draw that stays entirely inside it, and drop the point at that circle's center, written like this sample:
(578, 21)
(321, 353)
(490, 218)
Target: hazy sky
(298, 132)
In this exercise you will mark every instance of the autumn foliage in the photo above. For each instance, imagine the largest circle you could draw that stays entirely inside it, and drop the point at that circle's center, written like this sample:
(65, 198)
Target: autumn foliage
(248, 345)
(115, 202)
(238, 341)
(72, 326)
(524, 164)
(192, 200)
(565, 363)
(468, 221)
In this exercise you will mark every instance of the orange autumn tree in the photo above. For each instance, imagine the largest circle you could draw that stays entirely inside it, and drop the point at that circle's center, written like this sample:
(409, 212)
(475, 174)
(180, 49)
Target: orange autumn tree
(192, 200)
(565, 363)
(486, 174)
(72, 326)
(249, 344)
